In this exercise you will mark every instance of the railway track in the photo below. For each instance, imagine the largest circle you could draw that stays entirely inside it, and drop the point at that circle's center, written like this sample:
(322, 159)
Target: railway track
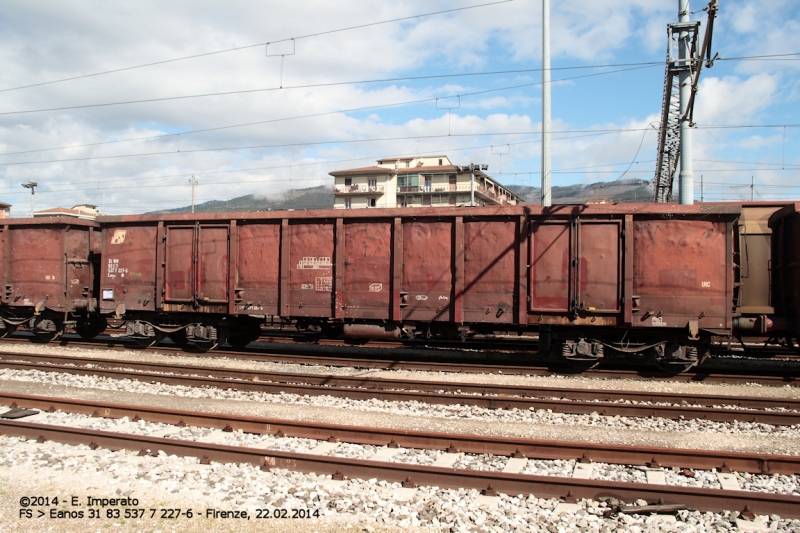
(437, 363)
(502, 446)
(412, 475)
(564, 400)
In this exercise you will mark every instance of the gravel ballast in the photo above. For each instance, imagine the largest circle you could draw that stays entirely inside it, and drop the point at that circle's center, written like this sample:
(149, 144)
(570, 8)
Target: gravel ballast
(369, 505)
(537, 416)
(779, 484)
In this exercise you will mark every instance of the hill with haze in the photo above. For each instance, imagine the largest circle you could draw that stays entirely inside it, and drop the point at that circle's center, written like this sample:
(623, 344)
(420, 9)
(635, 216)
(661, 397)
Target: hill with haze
(632, 190)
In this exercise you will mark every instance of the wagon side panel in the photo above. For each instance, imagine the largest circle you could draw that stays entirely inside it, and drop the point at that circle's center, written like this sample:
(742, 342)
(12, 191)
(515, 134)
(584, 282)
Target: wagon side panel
(681, 273)
(550, 249)
(78, 268)
(212, 264)
(489, 271)
(311, 269)
(258, 269)
(427, 286)
(37, 267)
(128, 268)
(367, 269)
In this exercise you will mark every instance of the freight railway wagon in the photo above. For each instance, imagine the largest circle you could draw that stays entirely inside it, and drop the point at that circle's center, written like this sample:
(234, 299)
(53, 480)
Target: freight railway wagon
(48, 272)
(652, 279)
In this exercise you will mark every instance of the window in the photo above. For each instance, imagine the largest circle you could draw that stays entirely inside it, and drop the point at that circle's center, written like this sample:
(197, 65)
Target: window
(409, 180)
(452, 199)
(452, 180)
(348, 182)
(408, 164)
(371, 202)
(348, 203)
(402, 202)
(440, 162)
(426, 200)
(372, 183)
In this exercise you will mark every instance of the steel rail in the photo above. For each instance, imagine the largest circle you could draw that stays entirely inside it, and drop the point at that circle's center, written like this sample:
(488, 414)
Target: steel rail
(476, 444)
(323, 386)
(541, 486)
(435, 364)
(328, 380)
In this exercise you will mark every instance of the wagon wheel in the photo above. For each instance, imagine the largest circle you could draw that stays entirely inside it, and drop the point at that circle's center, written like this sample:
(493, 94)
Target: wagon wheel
(240, 338)
(206, 346)
(675, 358)
(146, 342)
(46, 329)
(580, 359)
(91, 328)
(179, 338)
(8, 330)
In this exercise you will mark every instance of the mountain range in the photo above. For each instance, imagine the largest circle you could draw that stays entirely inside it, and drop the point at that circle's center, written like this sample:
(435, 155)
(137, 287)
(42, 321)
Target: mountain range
(321, 197)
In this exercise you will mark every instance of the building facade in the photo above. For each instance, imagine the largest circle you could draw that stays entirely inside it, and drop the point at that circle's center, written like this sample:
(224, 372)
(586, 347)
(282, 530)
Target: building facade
(83, 211)
(417, 182)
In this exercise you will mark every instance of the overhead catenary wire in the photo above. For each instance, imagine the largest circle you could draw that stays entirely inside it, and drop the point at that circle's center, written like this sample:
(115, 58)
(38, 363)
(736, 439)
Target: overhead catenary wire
(232, 126)
(382, 139)
(284, 167)
(485, 91)
(333, 84)
(237, 48)
(149, 100)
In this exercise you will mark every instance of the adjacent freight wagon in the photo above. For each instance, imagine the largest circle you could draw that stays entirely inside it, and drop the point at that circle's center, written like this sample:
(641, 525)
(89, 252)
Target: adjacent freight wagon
(631, 278)
(48, 272)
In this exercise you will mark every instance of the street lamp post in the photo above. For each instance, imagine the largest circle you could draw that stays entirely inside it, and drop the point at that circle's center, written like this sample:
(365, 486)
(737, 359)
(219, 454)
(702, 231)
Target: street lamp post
(193, 181)
(472, 168)
(32, 186)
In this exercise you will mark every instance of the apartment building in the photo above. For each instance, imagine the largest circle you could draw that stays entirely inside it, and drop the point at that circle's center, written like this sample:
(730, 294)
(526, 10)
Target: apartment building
(418, 182)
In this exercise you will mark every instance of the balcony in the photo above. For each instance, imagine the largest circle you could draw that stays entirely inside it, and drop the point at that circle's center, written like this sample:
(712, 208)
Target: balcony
(447, 188)
(358, 189)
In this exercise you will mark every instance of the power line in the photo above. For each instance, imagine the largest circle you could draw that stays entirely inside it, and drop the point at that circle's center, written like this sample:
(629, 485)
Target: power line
(327, 32)
(350, 141)
(149, 100)
(232, 126)
(334, 84)
(746, 163)
(279, 167)
(775, 57)
(314, 115)
(318, 143)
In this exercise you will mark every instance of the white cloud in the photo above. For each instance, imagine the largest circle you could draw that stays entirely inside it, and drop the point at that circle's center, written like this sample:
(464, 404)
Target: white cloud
(50, 40)
(731, 100)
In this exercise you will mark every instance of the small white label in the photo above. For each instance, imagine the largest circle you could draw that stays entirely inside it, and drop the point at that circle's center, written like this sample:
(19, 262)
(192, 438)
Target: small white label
(443, 297)
(422, 297)
(250, 307)
(306, 286)
(314, 263)
(323, 284)
(376, 287)
(49, 277)
(75, 281)
(658, 321)
(119, 236)
(114, 268)
(705, 284)
(108, 294)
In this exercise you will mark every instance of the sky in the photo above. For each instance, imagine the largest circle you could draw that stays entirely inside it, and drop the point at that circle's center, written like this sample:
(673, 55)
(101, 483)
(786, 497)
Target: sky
(101, 103)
